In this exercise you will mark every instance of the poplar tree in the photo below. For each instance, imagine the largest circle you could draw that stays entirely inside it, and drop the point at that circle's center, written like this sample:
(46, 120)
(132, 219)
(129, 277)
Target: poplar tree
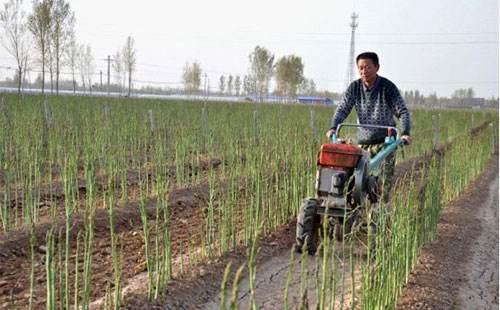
(39, 24)
(261, 70)
(129, 60)
(14, 38)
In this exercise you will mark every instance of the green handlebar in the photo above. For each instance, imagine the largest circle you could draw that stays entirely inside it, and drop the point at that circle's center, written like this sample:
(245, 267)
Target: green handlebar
(390, 146)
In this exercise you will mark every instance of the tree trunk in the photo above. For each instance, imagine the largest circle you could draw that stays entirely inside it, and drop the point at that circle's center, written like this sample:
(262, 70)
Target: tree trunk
(51, 73)
(20, 79)
(129, 81)
(57, 76)
(84, 87)
(57, 47)
(43, 76)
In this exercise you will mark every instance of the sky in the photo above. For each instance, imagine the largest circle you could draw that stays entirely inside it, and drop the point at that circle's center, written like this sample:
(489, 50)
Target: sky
(429, 45)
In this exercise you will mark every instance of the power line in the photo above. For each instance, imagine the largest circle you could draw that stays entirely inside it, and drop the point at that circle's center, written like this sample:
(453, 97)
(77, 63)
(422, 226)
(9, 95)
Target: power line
(432, 43)
(161, 35)
(401, 33)
(93, 74)
(448, 82)
(46, 71)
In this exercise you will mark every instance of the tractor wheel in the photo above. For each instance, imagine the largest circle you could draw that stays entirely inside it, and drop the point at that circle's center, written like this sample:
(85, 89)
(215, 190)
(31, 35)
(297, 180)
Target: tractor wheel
(308, 224)
(339, 230)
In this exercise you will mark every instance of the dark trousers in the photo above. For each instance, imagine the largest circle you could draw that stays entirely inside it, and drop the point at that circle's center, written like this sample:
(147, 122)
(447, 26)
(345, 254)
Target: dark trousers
(386, 168)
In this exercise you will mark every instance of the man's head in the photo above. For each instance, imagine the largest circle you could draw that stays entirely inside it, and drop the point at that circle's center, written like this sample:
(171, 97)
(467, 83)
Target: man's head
(368, 67)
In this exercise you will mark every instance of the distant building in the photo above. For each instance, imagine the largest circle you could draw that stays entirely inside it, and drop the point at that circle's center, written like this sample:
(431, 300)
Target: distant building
(475, 103)
(265, 98)
(314, 100)
(298, 99)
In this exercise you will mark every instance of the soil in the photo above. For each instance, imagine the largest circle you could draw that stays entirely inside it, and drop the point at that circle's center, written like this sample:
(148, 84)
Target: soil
(459, 270)
(200, 289)
(186, 213)
(199, 285)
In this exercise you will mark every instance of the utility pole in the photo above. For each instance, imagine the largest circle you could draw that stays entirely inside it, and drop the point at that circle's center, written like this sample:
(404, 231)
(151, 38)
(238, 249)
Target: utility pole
(350, 62)
(109, 66)
(100, 86)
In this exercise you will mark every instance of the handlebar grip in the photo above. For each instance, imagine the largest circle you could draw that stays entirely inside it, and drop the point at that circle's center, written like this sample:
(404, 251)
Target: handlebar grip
(402, 142)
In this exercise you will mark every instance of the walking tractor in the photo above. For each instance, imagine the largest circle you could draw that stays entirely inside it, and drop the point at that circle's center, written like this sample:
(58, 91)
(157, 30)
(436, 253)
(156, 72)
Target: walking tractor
(345, 182)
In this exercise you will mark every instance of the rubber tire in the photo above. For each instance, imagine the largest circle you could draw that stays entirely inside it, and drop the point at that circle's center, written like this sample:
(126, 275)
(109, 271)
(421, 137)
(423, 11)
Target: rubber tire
(308, 224)
(337, 227)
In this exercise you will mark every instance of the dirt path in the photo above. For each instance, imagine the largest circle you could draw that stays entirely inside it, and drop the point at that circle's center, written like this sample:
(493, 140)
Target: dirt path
(459, 270)
(271, 278)
(481, 289)
(275, 274)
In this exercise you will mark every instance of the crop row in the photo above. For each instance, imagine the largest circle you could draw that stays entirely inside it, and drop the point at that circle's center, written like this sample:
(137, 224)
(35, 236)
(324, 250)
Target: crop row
(68, 158)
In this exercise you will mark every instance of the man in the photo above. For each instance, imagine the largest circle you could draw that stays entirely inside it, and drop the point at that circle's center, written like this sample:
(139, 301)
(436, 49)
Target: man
(376, 100)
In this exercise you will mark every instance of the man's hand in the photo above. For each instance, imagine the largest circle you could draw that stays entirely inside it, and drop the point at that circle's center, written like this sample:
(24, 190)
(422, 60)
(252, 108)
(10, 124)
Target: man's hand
(329, 133)
(406, 139)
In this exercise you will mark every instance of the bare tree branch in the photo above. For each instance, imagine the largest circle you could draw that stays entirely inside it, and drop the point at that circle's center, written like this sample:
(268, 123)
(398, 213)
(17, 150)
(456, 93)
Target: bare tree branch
(15, 36)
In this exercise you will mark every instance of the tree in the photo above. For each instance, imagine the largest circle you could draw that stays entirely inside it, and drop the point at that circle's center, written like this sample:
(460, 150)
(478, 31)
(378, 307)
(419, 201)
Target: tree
(129, 60)
(463, 93)
(15, 37)
(63, 23)
(86, 65)
(289, 75)
(117, 65)
(470, 93)
(432, 100)
(50, 63)
(249, 85)
(246, 89)
(187, 78)
(39, 24)
(237, 85)
(307, 87)
(230, 85)
(191, 77)
(222, 84)
(261, 70)
(417, 97)
(80, 52)
(459, 93)
(72, 59)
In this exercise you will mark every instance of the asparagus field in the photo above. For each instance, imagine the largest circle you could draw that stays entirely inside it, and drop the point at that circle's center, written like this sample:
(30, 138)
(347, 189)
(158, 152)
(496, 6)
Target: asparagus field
(111, 203)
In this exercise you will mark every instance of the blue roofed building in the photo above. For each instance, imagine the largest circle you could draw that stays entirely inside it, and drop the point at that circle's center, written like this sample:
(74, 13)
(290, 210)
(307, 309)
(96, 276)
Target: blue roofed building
(298, 99)
(314, 100)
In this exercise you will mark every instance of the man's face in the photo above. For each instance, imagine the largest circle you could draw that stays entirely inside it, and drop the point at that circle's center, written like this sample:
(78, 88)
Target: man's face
(367, 70)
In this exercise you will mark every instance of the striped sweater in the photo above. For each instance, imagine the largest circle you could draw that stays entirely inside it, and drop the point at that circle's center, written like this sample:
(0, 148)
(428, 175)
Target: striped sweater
(375, 106)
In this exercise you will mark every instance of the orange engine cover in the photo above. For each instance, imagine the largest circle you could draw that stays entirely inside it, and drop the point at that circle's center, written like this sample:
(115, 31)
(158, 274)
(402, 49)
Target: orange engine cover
(339, 155)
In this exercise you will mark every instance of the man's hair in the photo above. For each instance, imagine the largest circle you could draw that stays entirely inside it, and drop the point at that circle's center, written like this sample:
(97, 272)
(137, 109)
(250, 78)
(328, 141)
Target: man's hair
(368, 55)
